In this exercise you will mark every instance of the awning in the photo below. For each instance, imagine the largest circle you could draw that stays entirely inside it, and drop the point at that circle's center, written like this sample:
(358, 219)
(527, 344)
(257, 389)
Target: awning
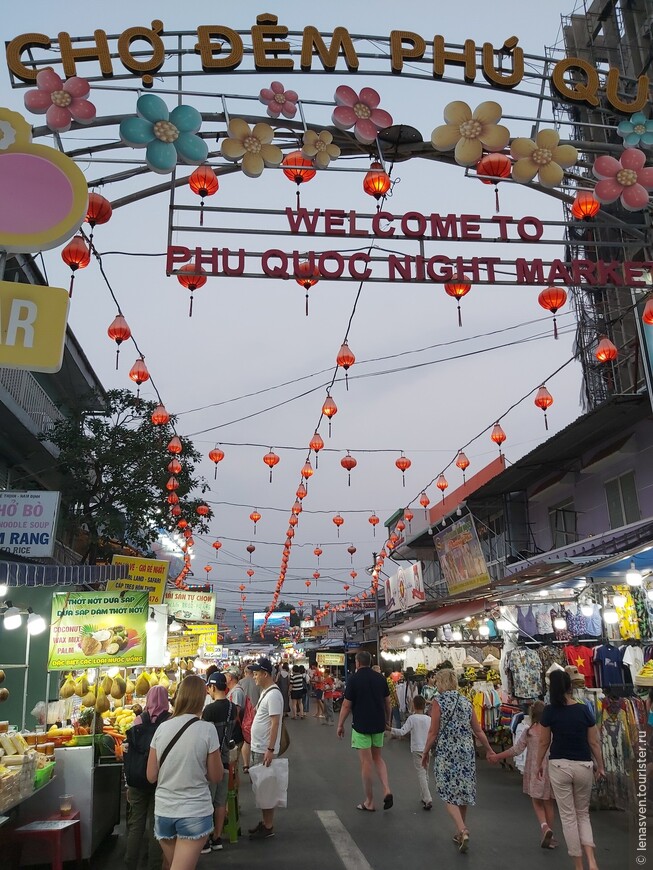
(23, 574)
(440, 616)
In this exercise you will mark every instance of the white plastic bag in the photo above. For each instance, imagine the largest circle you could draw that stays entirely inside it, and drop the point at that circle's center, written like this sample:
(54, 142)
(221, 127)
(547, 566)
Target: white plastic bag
(270, 784)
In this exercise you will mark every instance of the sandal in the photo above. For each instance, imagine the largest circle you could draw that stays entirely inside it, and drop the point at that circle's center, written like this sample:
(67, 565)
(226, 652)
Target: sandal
(245, 769)
(547, 836)
(463, 843)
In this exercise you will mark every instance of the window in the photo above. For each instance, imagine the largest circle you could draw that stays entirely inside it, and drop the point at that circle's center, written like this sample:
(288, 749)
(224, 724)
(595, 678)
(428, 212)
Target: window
(621, 495)
(562, 520)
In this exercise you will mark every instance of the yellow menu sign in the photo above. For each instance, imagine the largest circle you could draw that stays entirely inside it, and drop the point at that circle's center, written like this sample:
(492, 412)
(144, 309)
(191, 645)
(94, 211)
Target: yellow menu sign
(144, 574)
(32, 326)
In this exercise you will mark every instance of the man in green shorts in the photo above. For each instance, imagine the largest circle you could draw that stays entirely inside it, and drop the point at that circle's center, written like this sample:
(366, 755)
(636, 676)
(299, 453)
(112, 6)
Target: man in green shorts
(367, 698)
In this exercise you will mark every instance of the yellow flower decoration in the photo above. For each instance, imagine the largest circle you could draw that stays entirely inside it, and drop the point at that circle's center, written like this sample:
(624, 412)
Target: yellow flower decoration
(471, 132)
(253, 145)
(544, 157)
(319, 148)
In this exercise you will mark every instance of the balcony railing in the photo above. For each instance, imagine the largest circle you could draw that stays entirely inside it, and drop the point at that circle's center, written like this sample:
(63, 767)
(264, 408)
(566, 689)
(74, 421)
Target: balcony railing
(26, 391)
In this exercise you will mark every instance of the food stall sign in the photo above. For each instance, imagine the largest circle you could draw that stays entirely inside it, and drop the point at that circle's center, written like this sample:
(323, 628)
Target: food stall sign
(144, 575)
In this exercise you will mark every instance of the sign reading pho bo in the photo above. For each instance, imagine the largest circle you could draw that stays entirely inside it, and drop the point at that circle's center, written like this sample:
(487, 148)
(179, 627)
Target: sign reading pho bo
(28, 523)
(187, 604)
(144, 574)
(91, 629)
(461, 557)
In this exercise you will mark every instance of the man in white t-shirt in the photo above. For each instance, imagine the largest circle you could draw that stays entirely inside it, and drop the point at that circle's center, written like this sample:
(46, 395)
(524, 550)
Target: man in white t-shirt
(266, 734)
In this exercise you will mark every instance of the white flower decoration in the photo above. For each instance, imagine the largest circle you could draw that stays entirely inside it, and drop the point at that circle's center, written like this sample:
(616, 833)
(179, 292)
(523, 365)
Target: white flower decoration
(7, 135)
(319, 148)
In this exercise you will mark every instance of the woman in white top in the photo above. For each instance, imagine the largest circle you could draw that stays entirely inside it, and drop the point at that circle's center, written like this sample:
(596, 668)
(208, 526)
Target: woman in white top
(183, 809)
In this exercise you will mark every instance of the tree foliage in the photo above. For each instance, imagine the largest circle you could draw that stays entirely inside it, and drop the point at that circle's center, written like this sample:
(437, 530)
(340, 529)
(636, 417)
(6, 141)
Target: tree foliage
(113, 475)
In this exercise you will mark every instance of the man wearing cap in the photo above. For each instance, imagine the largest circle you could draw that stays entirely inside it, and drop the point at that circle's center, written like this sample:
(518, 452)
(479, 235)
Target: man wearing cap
(223, 713)
(367, 698)
(266, 734)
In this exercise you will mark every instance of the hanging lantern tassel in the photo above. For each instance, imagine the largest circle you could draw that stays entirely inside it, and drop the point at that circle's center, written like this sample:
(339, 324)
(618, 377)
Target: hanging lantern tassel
(202, 211)
(190, 307)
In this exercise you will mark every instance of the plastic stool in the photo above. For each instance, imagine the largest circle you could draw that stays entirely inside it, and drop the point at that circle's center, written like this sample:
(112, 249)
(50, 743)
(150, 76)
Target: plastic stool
(232, 824)
(53, 835)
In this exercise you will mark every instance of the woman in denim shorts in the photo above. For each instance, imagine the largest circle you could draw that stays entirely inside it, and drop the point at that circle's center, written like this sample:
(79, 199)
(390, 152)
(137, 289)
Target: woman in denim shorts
(183, 808)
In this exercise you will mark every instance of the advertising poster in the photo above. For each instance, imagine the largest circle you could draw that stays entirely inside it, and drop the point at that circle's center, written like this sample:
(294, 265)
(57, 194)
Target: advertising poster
(405, 589)
(144, 575)
(28, 522)
(189, 642)
(89, 629)
(277, 619)
(461, 557)
(194, 606)
(330, 659)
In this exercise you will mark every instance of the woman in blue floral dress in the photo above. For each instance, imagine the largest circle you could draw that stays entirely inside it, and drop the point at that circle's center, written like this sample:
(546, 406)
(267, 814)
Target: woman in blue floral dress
(453, 726)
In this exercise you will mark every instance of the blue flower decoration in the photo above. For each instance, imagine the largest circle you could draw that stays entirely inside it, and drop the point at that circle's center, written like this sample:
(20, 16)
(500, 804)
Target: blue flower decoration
(637, 131)
(166, 136)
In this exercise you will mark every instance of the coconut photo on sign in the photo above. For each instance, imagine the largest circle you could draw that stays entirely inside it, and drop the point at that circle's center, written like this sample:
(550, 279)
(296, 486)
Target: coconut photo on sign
(89, 629)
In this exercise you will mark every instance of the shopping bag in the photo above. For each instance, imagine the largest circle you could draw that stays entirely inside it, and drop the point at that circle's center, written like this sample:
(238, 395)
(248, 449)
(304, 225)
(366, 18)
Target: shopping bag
(270, 784)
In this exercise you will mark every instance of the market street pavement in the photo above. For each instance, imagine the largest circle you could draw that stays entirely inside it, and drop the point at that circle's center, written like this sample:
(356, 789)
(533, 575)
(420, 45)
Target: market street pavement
(322, 829)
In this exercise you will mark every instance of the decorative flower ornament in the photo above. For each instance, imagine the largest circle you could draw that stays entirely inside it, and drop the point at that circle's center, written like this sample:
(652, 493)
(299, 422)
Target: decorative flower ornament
(166, 136)
(61, 102)
(360, 111)
(625, 179)
(279, 101)
(470, 132)
(7, 135)
(253, 145)
(319, 148)
(544, 157)
(637, 131)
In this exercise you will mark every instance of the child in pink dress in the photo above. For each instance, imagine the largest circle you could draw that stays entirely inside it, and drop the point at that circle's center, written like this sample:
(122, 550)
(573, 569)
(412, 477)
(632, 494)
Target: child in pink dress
(538, 789)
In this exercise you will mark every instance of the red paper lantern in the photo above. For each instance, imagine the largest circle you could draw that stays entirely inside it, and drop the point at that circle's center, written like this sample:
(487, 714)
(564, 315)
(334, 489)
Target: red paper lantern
(204, 182)
(457, 290)
(351, 550)
(255, 515)
(606, 351)
(174, 445)
(250, 549)
(345, 359)
(292, 520)
(543, 400)
(250, 574)
(307, 470)
(119, 331)
(76, 255)
(172, 484)
(491, 169)
(329, 409)
(271, 459)
(175, 510)
(98, 210)
(403, 464)
(174, 466)
(316, 576)
(160, 416)
(408, 516)
(297, 168)
(216, 455)
(377, 181)
(318, 552)
(552, 299)
(338, 520)
(301, 492)
(297, 507)
(316, 444)
(191, 277)
(216, 545)
(498, 436)
(585, 206)
(373, 521)
(173, 498)
(348, 463)
(202, 510)
(307, 275)
(442, 484)
(139, 373)
(425, 501)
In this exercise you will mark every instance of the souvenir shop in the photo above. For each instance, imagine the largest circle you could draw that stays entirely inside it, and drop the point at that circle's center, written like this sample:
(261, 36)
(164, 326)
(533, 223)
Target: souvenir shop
(602, 635)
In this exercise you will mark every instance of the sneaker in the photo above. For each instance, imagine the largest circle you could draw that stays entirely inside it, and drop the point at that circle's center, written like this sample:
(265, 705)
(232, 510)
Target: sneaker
(261, 833)
(206, 849)
(254, 830)
(216, 844)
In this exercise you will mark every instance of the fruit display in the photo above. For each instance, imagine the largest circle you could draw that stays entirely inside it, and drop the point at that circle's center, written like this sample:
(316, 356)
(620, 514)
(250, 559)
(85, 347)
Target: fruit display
(123, 719)
(18, 766)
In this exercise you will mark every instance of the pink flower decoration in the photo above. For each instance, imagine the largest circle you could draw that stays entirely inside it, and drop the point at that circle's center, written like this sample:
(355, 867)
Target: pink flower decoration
(62, 102)
(279, 101)
(624, 179)
(361, 112)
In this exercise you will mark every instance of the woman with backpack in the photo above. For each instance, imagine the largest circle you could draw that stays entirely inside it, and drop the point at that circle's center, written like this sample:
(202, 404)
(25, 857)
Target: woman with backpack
(140, 792)
(184, 758)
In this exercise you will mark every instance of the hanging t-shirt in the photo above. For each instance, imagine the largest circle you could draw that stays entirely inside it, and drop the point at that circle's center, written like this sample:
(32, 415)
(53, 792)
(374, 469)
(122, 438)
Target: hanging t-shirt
(414, 657)
(608, 660)
(633, 656)
(583, 658)
(526, 669)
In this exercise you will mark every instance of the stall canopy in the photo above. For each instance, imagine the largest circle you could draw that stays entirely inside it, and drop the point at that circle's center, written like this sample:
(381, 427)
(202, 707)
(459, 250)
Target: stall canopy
(441, 616)
(21, 574)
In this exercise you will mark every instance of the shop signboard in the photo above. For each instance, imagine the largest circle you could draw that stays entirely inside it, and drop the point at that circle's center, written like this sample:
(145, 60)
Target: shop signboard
(28, 522)
(316, 631)
(189, 642)
(91, 629)
(144, 574)
(194, 606)
(405, 589)
(461, 557)
(325, 659)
